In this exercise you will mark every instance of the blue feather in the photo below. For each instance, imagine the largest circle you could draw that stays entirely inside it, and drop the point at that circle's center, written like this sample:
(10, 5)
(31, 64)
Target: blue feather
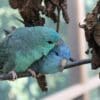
(52, 62)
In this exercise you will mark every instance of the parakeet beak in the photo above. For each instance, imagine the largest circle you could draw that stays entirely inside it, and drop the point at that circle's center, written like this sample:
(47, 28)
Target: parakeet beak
(63, 64)
(59, 42)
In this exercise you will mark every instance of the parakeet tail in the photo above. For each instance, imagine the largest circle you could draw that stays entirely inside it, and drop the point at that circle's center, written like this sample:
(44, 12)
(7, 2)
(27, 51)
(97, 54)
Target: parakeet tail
(42, 82)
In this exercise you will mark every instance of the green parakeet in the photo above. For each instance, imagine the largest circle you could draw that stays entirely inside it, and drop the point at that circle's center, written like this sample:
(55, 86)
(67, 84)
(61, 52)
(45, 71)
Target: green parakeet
(24, 46)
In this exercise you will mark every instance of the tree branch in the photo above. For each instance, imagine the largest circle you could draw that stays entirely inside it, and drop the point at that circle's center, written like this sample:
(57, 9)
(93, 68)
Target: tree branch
(27, 74)
(78, 63)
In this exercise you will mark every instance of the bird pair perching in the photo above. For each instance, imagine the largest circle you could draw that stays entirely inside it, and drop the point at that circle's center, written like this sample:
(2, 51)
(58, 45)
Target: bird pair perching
(48, 56)
(38, 50)
(43, 65)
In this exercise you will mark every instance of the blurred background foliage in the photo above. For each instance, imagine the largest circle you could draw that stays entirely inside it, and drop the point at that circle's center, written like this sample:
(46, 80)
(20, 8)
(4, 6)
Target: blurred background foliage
(89, 5)
(95, 94)
(27, 88)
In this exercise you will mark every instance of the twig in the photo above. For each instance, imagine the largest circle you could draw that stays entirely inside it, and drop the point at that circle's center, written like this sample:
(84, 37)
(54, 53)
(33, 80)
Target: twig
(78, 63)
(58, 22)
(27, 74)
(19, 75)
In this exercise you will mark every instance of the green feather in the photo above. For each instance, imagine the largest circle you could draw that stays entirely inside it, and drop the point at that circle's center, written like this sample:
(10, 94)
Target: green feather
(27, 45)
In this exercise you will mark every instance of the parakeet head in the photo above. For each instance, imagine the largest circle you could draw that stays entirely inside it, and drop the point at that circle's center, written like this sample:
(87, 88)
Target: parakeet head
(49, 35)
(55, 61)
(62, 50)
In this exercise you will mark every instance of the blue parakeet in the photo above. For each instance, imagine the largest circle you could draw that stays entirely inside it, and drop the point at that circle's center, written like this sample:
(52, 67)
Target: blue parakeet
(25, 46)
(54, 62)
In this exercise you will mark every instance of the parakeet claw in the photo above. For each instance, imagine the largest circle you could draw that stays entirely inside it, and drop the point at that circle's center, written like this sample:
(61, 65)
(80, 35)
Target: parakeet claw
(32, 72)
(14, 75)
(63, 64)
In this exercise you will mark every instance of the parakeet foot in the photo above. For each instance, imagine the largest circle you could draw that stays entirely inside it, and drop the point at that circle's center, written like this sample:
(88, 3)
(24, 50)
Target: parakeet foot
(32, 72)
(14, 75)
(63, 64)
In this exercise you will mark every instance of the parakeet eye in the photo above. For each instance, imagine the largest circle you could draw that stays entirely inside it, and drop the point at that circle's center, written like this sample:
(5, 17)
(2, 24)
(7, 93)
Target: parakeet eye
(50, 42)
(56, 53)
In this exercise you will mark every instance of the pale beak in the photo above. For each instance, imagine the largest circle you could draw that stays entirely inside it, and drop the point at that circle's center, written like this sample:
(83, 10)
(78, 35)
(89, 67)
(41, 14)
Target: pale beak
(59, 42)
(63, 64)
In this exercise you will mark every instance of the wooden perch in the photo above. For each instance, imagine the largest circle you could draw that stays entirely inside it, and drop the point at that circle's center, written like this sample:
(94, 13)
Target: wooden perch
(27, 74)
